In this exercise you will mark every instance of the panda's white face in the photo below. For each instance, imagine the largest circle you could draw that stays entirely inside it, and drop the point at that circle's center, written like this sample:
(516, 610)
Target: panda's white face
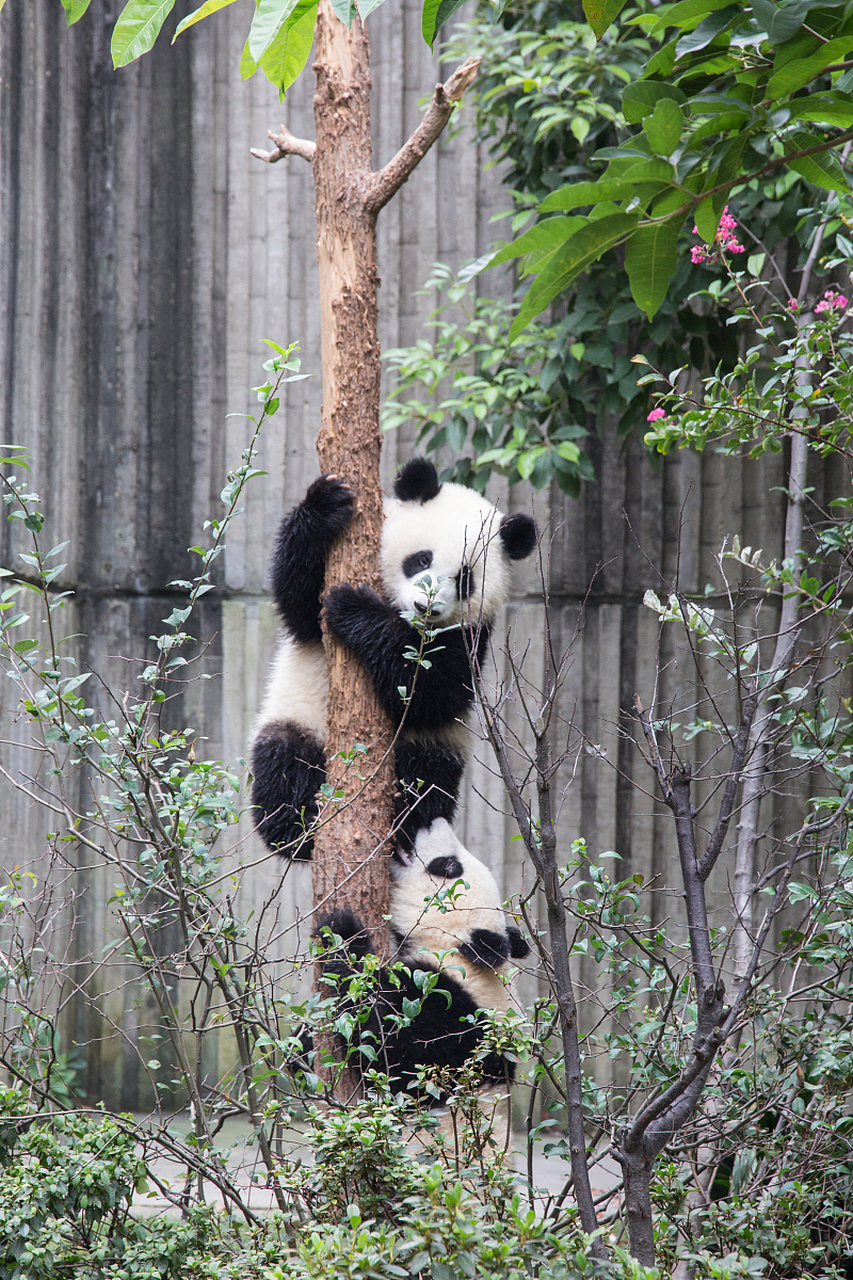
(442, 900)
(445, 556)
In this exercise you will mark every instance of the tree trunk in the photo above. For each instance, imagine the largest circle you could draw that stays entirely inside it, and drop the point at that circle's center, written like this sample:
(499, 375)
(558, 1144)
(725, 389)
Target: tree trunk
(350, 850)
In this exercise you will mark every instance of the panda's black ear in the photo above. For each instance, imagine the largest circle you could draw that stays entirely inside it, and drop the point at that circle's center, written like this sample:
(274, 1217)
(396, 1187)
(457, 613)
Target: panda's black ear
(518, 535)
(418, 481)
(519, 947)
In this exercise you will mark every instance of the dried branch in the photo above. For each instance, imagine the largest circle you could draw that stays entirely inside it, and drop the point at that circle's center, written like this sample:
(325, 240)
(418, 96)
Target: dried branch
(733, 778)
(285, 145)
(386, 181)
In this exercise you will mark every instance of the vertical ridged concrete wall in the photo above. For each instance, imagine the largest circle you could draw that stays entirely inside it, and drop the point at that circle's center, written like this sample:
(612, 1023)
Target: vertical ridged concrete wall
(144, 255)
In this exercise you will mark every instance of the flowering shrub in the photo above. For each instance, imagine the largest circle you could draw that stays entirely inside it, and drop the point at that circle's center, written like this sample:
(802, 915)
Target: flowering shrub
(830, 302)
(724, 241)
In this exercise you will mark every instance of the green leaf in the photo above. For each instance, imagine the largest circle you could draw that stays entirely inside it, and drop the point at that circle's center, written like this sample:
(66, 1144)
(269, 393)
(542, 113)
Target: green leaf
(587, 193)
(824, 169)
(800, 71)
(824, 108)
(366, 7)
(708, 215)
(663, 127)
(639, 99)
(345, 10)
(651, 255)
(270, 17)
(284, 59)
(780, 24)
(601, 13)
(248, 66)
(74, 9)
(137, 28)
(681, 15)
(436, 13)
(204, 11)
(547, 234)
(708, 29)
(570, 259)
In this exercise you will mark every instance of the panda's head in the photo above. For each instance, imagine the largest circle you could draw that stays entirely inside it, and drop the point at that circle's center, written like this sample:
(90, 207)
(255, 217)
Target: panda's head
(443, 899)
(446, 550)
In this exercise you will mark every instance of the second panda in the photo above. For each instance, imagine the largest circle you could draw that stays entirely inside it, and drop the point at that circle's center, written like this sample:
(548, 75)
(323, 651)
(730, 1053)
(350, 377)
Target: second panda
(463, 936)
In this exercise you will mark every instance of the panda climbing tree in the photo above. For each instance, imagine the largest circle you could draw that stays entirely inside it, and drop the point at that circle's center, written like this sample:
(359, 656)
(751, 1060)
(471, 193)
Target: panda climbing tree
(349, 849)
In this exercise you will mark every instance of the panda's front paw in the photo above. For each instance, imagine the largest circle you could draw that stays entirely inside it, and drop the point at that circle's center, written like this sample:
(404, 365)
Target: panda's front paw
(346, 606)
(333, 502)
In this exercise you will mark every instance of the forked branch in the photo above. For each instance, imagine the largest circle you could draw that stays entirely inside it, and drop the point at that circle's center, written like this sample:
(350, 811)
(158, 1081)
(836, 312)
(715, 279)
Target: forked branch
(386, 181)
(285, 145)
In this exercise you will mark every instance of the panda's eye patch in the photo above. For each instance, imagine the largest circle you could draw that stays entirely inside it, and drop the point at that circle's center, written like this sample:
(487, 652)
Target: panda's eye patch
(417, 562)
(465, 582)
(449, 868)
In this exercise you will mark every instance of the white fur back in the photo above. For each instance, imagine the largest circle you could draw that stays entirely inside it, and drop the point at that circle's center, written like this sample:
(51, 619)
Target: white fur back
(297, 688)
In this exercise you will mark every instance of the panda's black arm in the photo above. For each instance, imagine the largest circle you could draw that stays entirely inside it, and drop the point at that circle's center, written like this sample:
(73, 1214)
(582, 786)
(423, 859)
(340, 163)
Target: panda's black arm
(435, 695)
(299, 556)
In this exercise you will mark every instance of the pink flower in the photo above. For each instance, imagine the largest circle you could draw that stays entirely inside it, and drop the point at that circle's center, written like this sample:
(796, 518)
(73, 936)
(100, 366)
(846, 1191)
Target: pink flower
(793, 305)
(724, 238)
(831, 301)
(656, 415)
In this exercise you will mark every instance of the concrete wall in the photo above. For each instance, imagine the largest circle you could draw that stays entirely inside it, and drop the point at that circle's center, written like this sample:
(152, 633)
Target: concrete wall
(144, 255)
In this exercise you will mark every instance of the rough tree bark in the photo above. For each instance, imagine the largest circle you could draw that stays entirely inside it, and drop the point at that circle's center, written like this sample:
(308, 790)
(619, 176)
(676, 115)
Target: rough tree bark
(349, 850)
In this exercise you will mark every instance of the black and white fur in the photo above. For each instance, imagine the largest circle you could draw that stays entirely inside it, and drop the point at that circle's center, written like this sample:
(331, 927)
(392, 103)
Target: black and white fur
(445, 551)
(464, 936)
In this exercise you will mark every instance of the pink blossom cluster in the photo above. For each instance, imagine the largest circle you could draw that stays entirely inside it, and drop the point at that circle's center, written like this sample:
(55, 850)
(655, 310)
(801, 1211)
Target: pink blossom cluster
(725, 238)
(655, 415)
(831, 301)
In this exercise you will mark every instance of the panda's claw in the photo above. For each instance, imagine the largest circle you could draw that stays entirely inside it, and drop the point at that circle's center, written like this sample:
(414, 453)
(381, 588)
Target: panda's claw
(333, 502)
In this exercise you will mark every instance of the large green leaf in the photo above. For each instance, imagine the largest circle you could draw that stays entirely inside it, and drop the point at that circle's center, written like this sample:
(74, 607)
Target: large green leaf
(286, 56)
(283, 61)
(270, 18)
(799, 72)
(780, 23)
(687, 12)
(366, 7)
(573, 257)
(707, 30)
(664, 126)
(546, 235)
(824, 108)
(204, 11)
(345, 10)
(74, 9)
(824, 169)
(601, 13)
(651, 255)
(435, 14)
(137, 28)
(639, 98)
(584, 193)
(707, 217)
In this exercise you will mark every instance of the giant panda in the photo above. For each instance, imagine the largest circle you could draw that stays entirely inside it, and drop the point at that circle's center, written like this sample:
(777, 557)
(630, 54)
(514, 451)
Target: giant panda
(445, 555)
(446, 916)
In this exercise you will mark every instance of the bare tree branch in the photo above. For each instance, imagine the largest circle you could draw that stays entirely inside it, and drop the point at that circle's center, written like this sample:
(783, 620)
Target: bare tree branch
(285, 145)
(384, 182)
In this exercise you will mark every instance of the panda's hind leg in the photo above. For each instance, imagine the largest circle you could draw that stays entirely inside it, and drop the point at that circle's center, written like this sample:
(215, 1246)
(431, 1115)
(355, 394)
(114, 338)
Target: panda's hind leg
(428, 778)
(289, 767)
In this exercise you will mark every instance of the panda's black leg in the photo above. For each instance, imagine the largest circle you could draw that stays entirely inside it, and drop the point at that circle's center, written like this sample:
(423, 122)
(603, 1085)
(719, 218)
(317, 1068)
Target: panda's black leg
(299, 556)
(428, 777)
(289, 768)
